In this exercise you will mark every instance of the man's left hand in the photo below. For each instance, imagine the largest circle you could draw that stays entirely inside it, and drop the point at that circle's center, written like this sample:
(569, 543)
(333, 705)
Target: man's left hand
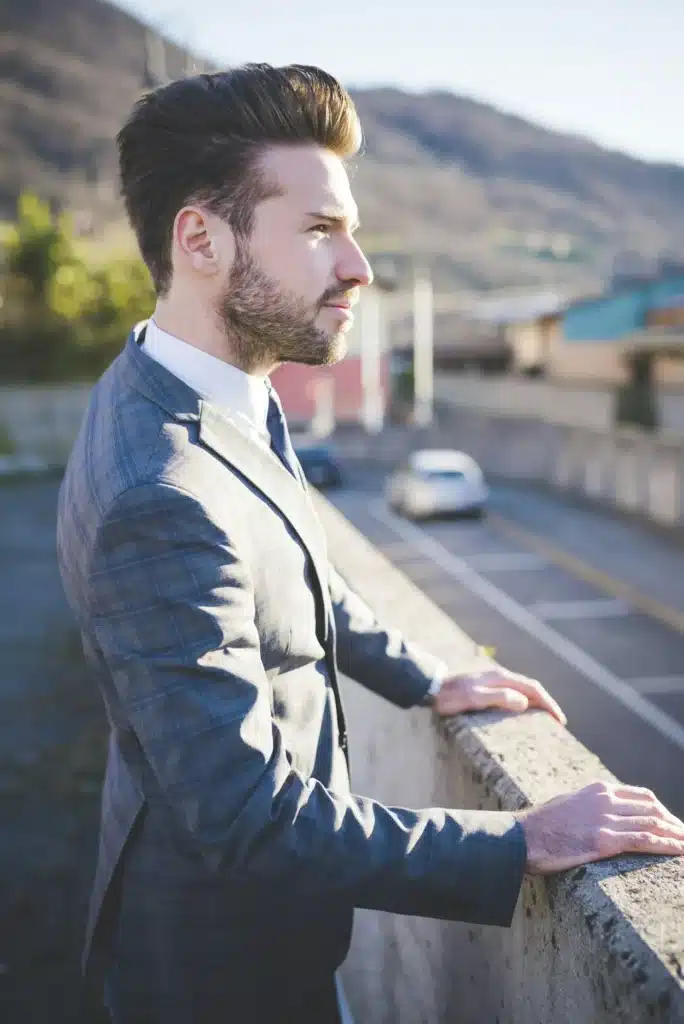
(494, 687)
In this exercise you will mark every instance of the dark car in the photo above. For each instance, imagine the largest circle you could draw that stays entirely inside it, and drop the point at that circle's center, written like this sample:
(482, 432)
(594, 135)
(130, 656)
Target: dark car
(319, 465)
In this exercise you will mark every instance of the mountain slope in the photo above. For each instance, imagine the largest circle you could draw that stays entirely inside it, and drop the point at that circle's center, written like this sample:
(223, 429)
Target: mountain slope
(487, 198)
(467, 177)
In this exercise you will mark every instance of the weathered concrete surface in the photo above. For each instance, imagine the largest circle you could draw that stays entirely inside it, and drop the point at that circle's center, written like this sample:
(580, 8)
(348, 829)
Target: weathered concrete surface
(604, 943)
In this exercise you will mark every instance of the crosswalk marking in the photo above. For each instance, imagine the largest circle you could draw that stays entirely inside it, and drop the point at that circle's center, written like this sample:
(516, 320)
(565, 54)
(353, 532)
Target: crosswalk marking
(658, 684)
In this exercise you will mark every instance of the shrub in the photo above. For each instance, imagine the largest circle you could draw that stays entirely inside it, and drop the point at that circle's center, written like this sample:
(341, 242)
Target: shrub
(62, 318)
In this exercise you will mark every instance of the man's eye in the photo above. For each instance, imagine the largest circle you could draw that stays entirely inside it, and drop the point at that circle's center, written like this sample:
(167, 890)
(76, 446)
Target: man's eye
(322, 228)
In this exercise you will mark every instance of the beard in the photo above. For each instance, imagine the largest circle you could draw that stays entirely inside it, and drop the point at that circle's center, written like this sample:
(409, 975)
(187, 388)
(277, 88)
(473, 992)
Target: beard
(269, 324)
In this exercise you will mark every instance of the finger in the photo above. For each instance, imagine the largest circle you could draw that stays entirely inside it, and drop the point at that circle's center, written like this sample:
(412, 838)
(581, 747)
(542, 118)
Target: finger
(622, 795)
(532, 688)
(536, 695)
(626, 808)
(546, 702)
(634, 793)
(615, 843)
(499, 697)
(646, 823)
(639, 794)
(540, 697)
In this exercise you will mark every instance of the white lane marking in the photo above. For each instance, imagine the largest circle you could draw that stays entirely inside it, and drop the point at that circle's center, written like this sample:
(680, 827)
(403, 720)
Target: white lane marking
(658, 684)
(597, 608)
(521, 617)
(505, 561)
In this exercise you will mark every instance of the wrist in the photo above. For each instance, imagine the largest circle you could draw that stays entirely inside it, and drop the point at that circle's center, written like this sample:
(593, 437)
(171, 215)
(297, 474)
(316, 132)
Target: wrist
(482, 661)
(438, 677)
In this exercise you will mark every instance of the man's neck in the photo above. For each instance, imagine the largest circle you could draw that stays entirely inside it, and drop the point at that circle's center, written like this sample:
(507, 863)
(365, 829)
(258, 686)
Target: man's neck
(193, 326)
(196, 326)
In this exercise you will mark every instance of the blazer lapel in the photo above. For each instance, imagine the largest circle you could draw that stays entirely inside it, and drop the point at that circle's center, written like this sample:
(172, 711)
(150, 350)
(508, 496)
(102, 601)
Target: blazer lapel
(257, 464)
(266, 472)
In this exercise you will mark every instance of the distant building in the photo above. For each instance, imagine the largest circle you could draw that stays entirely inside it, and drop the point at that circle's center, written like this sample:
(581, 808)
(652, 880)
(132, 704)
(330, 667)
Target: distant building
(528, 326)
(598, 334)
(590, 338)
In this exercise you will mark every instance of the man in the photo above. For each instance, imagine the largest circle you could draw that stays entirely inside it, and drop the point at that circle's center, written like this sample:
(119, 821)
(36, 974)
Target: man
(232, 850)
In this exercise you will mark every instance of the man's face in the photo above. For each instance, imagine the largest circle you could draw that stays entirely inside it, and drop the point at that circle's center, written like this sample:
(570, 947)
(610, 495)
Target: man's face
(294, 280)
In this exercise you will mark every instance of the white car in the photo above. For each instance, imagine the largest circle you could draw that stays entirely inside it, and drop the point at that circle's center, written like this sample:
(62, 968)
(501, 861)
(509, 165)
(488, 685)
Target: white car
(437, 481)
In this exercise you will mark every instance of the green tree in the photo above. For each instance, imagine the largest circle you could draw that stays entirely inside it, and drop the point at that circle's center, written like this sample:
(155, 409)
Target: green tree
(37, 246)
(60, 317)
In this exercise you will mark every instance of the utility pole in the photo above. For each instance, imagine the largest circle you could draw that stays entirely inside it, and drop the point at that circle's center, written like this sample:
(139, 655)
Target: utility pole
(323, 419)
(372, 347)
(156, 69)
(423, 345)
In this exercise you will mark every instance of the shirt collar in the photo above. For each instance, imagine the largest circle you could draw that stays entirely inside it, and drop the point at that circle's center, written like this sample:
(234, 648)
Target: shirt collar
(242, 395)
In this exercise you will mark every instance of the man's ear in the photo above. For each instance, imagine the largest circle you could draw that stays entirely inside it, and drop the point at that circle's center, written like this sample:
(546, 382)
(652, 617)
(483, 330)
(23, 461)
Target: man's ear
(199, 242)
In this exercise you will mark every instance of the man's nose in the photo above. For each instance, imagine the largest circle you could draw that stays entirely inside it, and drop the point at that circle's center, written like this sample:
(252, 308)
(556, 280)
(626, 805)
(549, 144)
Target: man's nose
(354, 266)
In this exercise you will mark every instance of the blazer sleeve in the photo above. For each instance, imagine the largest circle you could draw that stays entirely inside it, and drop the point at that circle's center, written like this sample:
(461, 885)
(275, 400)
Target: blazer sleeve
(375, 656)
(172, 611)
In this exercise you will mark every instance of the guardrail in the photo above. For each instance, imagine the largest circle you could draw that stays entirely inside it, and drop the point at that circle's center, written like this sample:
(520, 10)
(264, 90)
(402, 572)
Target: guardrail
(597, 944)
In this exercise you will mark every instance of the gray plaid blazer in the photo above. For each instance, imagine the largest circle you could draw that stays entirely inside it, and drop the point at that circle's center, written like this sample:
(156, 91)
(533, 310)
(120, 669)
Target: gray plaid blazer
(216, 628)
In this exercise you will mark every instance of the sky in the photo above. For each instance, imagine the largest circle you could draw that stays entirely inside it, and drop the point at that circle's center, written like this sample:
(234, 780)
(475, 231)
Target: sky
(611, 70)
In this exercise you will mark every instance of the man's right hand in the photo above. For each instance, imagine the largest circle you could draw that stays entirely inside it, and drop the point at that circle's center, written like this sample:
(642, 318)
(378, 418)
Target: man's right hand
(602, 820)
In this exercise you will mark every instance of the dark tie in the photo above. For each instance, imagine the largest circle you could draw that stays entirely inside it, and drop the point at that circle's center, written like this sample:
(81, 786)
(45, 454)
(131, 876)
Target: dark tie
(280, 435)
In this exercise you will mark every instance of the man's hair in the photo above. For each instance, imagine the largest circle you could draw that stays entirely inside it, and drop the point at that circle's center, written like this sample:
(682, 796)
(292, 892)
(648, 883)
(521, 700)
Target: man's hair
(199, 139)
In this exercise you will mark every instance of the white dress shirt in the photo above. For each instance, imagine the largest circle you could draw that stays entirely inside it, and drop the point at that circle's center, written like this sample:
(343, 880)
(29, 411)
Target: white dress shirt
(243, 396)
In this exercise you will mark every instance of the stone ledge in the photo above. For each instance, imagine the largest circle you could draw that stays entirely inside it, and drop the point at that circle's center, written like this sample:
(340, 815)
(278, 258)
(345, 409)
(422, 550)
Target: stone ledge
(612, 934)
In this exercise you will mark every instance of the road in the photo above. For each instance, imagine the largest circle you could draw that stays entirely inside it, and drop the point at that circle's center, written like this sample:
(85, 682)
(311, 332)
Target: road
(588, 602)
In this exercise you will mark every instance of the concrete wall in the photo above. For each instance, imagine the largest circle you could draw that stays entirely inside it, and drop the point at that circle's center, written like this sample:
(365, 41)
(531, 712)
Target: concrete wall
(571, 402)
(605, 361)
(600, 944)
(42, 422)
(518, 396)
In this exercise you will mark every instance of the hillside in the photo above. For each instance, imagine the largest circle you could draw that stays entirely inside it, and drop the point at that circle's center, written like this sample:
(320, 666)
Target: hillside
(457, 181)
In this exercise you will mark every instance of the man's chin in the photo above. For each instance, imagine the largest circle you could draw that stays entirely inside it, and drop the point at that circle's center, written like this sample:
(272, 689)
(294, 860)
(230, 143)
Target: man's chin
(334, 351)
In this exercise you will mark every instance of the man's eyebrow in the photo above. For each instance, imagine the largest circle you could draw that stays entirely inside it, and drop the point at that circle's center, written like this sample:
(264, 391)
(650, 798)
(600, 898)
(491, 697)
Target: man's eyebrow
(336, 218)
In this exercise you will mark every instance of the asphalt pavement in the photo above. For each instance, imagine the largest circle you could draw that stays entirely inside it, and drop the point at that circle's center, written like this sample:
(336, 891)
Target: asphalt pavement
(586, 601)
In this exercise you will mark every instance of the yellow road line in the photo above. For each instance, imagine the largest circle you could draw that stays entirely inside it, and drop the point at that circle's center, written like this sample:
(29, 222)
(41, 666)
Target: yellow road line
(616, 588)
